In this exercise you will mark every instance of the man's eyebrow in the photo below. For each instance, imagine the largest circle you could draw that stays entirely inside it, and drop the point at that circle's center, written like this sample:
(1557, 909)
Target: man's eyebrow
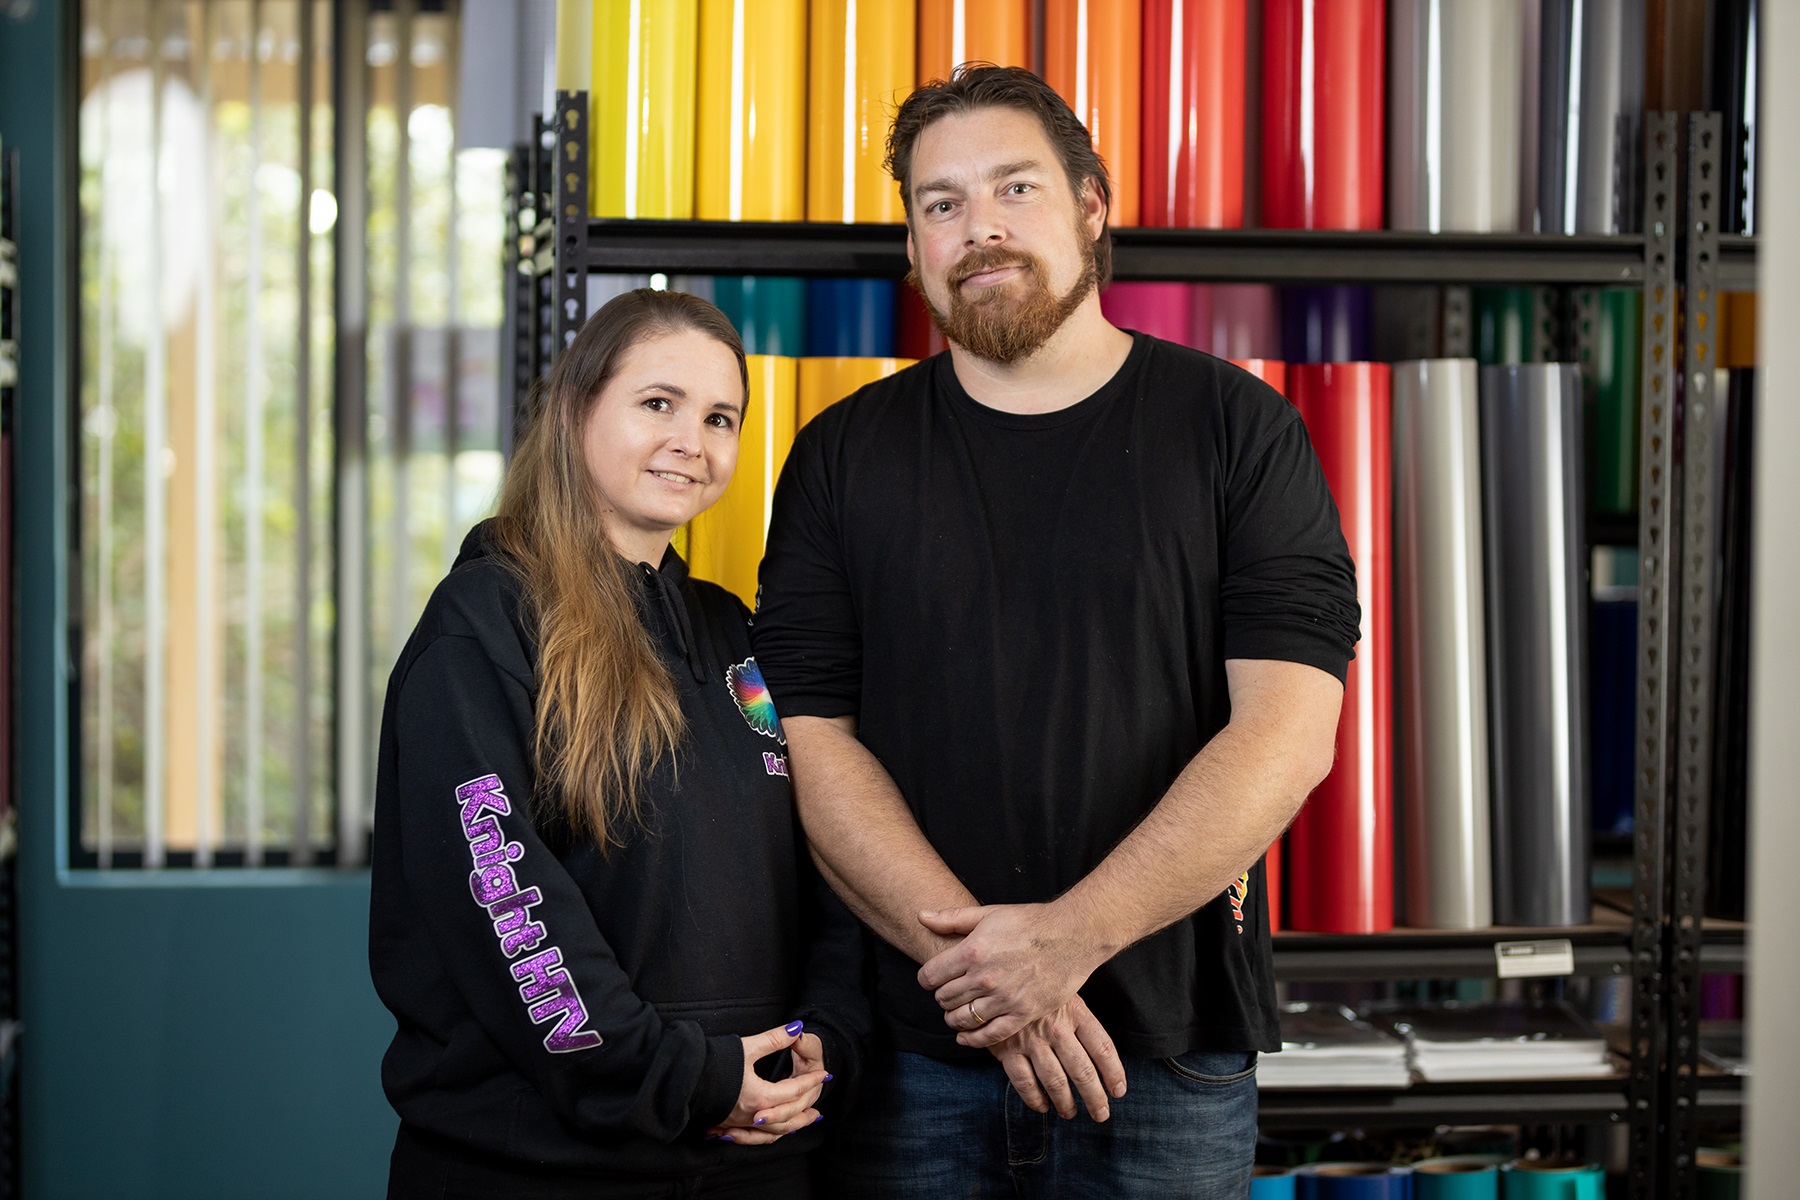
(946, 184)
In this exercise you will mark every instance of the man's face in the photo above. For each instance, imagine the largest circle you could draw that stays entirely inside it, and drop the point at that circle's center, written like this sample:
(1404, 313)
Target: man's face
(1002, 248)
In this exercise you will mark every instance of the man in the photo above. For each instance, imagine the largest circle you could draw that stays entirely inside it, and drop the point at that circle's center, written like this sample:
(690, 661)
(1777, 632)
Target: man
(1057, 623)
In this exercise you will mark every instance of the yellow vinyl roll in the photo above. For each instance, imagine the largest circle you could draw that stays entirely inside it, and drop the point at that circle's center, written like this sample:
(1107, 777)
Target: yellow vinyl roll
(574, 45)
(752, 116)
(861, 69)
(725, 543)
(1737, 329)
(825, 381)
(641, 108)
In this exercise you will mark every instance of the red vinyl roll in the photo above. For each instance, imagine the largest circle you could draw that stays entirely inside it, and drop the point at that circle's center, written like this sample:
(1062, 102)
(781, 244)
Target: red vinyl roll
(915, 336)
(1092, 56)
(1341, 847)
(1271, 371)
(1324, 82)
(1193, 115)
(1272, 882)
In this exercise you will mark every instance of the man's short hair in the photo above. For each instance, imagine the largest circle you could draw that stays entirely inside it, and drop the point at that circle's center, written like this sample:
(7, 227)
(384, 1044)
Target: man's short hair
(976, 85)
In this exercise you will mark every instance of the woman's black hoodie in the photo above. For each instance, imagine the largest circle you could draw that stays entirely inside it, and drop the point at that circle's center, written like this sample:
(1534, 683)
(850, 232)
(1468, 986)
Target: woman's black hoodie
(556, 1007)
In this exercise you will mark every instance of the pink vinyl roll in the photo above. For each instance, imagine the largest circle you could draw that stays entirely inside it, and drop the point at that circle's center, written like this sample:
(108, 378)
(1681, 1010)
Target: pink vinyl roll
(1235, 320)
(1162, 310)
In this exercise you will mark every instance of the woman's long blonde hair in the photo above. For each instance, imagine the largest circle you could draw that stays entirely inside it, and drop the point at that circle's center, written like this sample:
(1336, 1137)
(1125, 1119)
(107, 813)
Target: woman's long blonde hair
(607, 708)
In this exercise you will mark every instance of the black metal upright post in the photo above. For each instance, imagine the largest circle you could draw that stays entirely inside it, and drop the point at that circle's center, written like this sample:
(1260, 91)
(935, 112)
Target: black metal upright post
(1696, 607)
(9, 910)
(571, 189)
(1658, 578)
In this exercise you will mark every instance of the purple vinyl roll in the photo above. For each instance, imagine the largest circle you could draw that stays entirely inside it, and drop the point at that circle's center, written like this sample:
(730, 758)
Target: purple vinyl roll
(1326, 324)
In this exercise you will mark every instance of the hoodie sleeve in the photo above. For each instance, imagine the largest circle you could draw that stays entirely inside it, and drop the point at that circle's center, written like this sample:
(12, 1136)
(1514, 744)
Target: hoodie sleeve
(513, 928)
(833, 999)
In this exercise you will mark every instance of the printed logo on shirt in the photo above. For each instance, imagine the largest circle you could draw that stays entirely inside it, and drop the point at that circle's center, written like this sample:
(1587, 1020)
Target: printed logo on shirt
(753, 700)
(1239, 891)
(546, 988)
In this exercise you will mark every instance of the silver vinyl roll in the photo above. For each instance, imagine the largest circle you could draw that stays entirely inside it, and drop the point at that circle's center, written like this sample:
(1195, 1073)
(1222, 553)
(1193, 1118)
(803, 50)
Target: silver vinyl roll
(1537, 642)
(1442, 668)
(1590, 115)
(1455, 72)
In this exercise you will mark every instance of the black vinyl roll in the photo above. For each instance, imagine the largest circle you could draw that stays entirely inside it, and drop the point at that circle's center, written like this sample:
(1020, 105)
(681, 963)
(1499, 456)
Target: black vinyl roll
(1537, 635)
(1725, 843)
(1731, 75)
(1590, 103)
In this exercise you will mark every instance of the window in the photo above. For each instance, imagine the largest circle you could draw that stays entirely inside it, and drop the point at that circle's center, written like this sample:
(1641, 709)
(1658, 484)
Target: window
(259, 525)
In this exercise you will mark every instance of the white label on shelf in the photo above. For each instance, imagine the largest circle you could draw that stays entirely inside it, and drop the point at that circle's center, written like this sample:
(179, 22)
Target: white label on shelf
(1527, 960)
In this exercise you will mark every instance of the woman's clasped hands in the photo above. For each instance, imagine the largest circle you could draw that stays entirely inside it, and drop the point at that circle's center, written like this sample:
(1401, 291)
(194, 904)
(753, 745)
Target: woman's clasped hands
(768, 1109)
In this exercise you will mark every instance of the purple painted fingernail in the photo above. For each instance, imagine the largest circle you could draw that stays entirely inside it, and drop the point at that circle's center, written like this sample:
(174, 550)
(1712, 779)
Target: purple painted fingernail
(714, 1137)
(759, 1120)
(828, 1077)
(794, 1029)
(818, 1118)
(726, 1137)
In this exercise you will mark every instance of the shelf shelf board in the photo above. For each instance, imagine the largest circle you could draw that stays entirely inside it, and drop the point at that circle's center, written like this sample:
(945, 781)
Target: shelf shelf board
(1223, 255)
(1737, 263)
(1602, 947)
(1512, 1102)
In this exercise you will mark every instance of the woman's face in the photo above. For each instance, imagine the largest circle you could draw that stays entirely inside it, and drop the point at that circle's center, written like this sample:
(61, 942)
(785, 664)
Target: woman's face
(662, 439)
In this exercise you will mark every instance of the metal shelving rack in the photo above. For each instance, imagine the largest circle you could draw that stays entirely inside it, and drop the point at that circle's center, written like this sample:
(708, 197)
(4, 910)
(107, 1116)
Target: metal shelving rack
(1658, 937)
(9, 930)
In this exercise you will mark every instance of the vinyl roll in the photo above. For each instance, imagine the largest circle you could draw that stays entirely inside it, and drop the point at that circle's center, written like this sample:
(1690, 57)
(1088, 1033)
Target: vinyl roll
(825, 381)
(1459, 1177)
(574, 69)
(1721, 1175)
(1092, 57)
(1721, 997)
(1271, 371)
(1163, 310)
(915, 334)
(860, 66)
(952, 32)
(1272, 1183)
(1552, 1179)
(1274, 872)
(1236, 320)
(1733, 96)
(1326, 324)
(850, 318)
(750, 160)
(641, 108)
(1323, 113)
(1613, 672)
(768, 310)
(1675, 56)
(1537, 617)
(1442, 660)
(1193, 113)
(1354, 1181)
(1737, 329)
(1340, 848)
(1505, 325)
(1613, 320)
(1590, 115)
(1454, 78)
(725, 543)
(1727, 813)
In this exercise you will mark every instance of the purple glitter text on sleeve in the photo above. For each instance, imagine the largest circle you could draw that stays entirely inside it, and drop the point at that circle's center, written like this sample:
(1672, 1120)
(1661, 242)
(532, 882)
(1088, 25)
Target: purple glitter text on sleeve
(548, 990)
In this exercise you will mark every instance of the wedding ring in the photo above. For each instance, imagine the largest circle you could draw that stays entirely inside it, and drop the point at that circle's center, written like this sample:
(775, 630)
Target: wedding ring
(979, 1019)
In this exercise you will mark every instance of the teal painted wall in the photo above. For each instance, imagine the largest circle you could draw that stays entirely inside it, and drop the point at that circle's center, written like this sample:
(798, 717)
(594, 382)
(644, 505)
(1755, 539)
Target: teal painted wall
(184, 1036)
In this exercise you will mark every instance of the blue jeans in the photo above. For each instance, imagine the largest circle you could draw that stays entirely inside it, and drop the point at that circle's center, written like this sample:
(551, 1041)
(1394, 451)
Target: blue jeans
(927, 1129)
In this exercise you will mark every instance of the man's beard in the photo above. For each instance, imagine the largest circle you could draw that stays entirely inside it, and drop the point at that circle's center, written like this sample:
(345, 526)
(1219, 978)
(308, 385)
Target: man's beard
(998, 328)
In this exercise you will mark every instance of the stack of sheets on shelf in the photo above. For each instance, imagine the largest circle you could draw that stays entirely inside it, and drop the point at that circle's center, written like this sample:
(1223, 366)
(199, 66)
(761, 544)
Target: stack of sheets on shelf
(1461, 1042)
(1328, 1046)
(1722, 1047)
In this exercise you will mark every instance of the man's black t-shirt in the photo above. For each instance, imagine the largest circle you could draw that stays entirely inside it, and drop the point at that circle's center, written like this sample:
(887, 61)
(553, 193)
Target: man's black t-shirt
(1029, 617)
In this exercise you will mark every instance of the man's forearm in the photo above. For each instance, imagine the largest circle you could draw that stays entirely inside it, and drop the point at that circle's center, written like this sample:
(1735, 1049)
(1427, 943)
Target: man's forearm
(1233, 798)
(864, 838)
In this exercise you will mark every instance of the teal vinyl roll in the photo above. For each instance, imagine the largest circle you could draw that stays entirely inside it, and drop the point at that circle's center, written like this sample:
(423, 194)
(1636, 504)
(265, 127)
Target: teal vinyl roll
(1272, 1183)
(1552, 1179)
(1721, 1175)
(1458, 1177)
(768, 310)
(1354, 1181)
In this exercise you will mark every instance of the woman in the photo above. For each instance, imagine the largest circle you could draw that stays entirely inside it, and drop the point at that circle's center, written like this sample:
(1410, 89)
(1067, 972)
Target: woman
(592, 915)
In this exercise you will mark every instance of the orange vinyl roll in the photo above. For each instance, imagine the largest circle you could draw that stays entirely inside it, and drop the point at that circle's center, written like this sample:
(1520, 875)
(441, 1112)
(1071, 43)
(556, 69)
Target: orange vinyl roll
(825, 381)
(1092, 56)
(1324, 118)
(750, 156)
(1737, 329)
(860, 69)
(953, 32)
(1193, 114)
(725, 543)
(1271, 371)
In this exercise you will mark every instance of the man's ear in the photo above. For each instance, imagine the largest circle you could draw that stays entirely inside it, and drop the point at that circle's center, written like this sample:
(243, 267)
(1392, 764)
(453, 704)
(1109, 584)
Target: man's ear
(912, 259)
(1094, 208)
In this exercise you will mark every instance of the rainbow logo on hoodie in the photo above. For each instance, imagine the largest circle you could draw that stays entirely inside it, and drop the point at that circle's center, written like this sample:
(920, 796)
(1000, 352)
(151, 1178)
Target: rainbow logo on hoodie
(753, 700)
